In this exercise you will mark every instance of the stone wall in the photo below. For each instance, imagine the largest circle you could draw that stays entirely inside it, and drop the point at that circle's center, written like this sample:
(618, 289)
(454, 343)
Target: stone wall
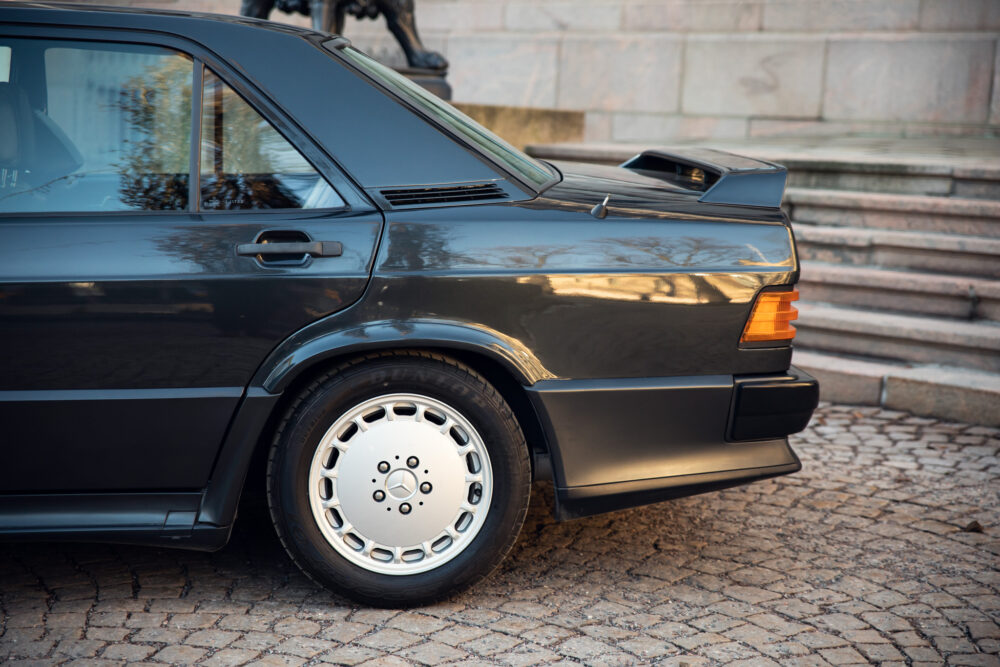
(653, 70)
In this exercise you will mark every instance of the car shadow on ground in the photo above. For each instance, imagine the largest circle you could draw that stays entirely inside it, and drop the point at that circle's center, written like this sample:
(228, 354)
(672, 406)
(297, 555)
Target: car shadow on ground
(254, 567)
(542, 540)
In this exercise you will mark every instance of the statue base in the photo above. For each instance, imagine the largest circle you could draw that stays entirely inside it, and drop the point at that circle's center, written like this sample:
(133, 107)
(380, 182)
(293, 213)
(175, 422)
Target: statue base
(432, 80)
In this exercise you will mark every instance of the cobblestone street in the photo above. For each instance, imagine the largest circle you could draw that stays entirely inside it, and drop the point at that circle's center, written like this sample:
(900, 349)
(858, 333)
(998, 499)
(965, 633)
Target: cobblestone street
(884, 549)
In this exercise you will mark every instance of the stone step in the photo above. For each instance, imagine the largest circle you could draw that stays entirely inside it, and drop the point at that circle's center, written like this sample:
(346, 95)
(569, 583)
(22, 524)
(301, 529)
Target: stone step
(925, 251)
(870, 210)
(905, 338)
(945, 392)
(869, 165)
(897, 177)
(901, 291)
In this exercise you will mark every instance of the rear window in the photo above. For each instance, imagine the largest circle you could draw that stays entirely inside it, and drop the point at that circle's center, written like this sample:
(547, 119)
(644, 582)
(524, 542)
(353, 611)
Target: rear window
(529, 170)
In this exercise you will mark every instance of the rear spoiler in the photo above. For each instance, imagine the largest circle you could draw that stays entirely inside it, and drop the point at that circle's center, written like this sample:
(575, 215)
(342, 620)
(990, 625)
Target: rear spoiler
(724, 178)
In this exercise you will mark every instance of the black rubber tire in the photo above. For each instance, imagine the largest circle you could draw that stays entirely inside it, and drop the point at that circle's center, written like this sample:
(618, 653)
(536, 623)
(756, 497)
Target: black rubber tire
(324, 400)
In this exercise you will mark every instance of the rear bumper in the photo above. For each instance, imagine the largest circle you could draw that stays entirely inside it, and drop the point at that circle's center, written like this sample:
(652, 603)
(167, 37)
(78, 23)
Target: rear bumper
(622, 443)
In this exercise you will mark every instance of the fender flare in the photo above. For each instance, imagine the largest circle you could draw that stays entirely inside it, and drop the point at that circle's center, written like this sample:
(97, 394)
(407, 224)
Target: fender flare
(295, 356)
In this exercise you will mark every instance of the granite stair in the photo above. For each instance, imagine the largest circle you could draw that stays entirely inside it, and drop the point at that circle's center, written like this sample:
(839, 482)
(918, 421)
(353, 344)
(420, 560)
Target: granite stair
(896, 291)
(933, 252)
(900, 291)
(914, 339)
(904, 212)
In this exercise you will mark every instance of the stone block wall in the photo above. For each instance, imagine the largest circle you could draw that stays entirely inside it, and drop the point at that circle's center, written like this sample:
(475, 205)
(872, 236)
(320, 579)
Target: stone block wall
(646, 70)
(660, 70)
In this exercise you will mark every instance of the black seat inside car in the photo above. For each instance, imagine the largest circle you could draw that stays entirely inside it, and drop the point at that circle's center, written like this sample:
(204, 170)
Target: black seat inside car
(17, 135)
(35, 154)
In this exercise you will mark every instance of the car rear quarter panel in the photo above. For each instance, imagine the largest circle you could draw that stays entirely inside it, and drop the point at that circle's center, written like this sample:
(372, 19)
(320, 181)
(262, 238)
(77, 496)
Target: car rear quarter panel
(614, 298)
(624, 330)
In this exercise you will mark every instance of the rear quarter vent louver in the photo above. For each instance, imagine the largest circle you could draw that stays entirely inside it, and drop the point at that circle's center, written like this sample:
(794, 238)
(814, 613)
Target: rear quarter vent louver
(442, 194)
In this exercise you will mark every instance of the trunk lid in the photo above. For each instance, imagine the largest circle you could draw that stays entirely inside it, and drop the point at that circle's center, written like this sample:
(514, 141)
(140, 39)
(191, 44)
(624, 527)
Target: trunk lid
(679, 181)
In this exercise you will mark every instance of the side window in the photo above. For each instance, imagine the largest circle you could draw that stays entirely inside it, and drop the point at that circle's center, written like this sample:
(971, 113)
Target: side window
(91, 126)
(247, 164)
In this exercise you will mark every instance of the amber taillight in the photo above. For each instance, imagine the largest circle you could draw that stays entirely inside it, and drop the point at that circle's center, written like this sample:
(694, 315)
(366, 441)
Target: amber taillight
(771, 317)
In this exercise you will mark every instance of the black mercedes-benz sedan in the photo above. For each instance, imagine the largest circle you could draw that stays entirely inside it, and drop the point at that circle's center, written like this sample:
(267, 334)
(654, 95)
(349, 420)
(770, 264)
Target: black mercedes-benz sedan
(225, 241)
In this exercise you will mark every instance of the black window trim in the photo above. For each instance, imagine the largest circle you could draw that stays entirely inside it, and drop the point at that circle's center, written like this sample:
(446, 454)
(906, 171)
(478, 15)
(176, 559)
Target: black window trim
(353, 196)
(194, 166)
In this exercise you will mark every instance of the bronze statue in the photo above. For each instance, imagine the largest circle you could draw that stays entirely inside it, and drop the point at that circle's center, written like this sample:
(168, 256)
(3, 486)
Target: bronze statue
(328, 15)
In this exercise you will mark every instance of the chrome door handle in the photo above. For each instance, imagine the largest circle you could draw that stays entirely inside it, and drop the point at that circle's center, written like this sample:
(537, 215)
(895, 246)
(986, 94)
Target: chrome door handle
(314, 248)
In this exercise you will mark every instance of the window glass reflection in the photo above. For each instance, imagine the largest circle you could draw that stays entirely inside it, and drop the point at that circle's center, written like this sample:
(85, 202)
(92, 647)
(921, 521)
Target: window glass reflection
(247, 164)
(88, 126)
(4, 64)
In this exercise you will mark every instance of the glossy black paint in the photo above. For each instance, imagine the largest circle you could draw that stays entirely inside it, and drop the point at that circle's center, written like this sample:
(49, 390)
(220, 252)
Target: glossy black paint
(550, 291)
(164, 300)
(114, 439)
(617, 338)
(177, 310)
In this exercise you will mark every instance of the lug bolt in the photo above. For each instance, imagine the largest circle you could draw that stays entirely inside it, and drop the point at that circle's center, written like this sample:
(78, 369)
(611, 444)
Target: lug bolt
(379, 496)
(412, 462)
(383, 466)
(405, 508)
(425, 487)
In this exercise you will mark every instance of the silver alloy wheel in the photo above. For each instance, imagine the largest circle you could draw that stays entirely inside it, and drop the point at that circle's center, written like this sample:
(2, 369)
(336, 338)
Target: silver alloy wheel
(400, 484)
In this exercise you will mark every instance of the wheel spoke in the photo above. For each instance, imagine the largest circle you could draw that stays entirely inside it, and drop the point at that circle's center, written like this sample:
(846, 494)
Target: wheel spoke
(415, 447)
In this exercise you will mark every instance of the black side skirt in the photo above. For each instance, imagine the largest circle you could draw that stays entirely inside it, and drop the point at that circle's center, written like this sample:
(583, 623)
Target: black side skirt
(149, 519)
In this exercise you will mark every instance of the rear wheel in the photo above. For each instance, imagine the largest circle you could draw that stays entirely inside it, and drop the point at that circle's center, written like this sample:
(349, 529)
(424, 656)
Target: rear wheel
(399, 479)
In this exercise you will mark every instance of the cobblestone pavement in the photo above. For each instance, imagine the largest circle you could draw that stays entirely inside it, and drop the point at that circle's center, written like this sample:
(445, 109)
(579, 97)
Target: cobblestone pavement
(862, 557)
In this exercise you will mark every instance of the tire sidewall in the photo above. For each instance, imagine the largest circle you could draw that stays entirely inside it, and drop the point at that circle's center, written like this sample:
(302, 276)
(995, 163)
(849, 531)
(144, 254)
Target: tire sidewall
(450, 385)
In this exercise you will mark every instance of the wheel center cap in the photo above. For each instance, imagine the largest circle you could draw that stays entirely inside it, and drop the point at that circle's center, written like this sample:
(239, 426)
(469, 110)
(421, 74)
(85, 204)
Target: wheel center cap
(401, 484)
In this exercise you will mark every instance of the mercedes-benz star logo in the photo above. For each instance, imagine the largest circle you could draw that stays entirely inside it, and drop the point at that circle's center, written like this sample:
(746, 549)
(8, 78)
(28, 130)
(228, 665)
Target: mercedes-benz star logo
(401, 484)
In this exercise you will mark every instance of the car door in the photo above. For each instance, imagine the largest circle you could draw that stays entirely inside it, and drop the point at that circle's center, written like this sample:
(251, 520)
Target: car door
(162, 228)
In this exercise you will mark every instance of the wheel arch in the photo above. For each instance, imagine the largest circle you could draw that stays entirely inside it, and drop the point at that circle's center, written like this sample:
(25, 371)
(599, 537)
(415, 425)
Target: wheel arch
(248, 454)
(507, 380)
